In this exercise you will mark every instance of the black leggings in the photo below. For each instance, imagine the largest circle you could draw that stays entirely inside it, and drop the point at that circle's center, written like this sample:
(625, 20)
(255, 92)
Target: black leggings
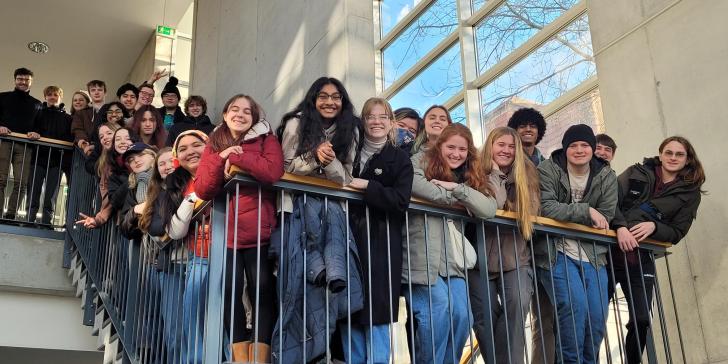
(245, 260)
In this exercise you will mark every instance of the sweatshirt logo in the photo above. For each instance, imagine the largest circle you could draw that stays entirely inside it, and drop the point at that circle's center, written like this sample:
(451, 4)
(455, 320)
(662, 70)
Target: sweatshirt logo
(377, 171)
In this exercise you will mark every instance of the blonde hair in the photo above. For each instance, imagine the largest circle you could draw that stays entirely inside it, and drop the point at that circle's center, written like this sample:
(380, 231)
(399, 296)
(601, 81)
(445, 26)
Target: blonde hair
(132, 176)
(525, 175)
(367, 109)
(51, 89)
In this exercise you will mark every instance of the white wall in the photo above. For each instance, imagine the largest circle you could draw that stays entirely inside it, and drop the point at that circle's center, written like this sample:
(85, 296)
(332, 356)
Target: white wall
(274, 49)
(662, 71)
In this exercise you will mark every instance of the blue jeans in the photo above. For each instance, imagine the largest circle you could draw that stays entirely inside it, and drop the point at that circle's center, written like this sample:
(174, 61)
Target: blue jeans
(171, 284)
(579, 294)
(449, 302)
(360, 343)
(194, 302)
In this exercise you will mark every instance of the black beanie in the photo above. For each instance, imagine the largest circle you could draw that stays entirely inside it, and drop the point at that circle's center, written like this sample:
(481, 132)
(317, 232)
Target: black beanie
(579, 133)
(127, 87)
(171, 87)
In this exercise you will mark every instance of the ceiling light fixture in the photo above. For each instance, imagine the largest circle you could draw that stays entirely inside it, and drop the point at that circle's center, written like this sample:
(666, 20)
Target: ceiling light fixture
(38, 47)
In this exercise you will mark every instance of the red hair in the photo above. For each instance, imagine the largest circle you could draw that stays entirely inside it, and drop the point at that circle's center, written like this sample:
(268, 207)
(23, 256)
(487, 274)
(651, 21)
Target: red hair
(436, 167)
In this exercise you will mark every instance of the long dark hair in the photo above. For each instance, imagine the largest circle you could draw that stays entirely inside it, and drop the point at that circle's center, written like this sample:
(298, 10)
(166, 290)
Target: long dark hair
(221, 138)
(175, 185)
(311, 127)
(159, 136)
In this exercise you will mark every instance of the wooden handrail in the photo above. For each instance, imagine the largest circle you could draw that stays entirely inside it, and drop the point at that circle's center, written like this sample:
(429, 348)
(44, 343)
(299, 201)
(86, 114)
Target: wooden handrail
(544, 221)
(41, 139)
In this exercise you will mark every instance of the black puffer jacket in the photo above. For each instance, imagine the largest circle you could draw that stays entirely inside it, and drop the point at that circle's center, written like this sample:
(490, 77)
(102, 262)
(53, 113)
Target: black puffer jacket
(672, 211)
(201, 123)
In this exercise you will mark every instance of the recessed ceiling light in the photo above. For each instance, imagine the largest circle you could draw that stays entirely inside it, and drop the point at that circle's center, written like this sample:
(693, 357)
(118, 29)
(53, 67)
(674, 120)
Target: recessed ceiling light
(38, 47)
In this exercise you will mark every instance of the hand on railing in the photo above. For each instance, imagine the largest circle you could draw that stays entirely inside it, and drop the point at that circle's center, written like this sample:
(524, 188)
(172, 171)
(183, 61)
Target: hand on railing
(33, 135)
(4, 130)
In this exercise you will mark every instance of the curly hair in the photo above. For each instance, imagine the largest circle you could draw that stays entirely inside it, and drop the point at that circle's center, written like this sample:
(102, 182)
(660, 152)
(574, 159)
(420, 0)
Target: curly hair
(311, 127)
(528, 115)
(436, 167)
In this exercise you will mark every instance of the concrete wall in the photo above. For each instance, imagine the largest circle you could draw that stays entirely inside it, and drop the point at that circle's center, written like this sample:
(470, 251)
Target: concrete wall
(662, 71)
(33, 265)
(274, 49)
(144, 65)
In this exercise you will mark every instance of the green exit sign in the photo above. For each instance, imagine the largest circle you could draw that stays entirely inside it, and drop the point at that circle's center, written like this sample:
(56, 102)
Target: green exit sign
(163, 30)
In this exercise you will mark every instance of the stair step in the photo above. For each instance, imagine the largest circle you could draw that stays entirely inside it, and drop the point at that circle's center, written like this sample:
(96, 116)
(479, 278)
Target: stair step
(103, 338)
(81, 286)
(98, 322)
(72, 268)
(111, 350)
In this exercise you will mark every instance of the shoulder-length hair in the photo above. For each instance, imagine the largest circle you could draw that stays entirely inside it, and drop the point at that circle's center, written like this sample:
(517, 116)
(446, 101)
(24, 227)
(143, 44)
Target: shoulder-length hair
(222, 138)
(115, 161)
(526, 201)
(436, 167)
(85, 97)
(156, 184)
(693, 172)
(421, 134)
(311, 127)
(367, 109)
(159, 136)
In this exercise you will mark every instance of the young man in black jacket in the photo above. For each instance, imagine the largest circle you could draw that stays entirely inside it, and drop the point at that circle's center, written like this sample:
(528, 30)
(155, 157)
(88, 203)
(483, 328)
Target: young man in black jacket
(52, 122)
(17, 114)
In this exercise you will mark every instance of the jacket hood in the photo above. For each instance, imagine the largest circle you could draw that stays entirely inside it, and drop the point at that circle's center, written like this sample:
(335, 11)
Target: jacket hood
(258, 129)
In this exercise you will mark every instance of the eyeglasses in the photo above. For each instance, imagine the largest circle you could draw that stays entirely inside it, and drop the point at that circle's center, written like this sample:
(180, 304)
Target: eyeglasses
(670, 154)
(323, 97)
(23, 79)
(372, 117)
(112, 112)
(146, 94)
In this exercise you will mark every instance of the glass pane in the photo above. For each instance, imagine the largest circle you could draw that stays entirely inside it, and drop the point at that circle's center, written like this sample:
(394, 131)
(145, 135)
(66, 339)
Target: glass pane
(477, 4)
(512, 24)
(183, 59)
(457, 114)
(586, 110)
(392, 11)
(557, 66)
(420, 37)
(435, 85)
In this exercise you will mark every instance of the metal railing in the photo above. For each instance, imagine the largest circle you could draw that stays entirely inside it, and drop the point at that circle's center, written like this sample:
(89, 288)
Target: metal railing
(185, 304)
(34, 175)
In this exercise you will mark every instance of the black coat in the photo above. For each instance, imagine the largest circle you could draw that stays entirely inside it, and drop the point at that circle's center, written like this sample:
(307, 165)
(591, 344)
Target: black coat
(55, 123)
(18, 111)
(672, 211)
(390, 174)
(179, 116)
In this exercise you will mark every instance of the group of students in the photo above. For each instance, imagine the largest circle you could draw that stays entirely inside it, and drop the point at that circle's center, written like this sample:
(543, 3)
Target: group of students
(361, 258)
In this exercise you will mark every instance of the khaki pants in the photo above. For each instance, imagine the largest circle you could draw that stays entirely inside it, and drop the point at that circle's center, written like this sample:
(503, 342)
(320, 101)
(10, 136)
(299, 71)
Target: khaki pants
(19, 156)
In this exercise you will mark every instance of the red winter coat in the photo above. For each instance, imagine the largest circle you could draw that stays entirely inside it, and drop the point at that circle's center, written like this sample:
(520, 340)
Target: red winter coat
(262, 158)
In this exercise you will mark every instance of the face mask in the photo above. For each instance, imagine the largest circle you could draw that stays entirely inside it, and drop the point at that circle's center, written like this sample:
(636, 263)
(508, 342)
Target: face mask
(404, 136)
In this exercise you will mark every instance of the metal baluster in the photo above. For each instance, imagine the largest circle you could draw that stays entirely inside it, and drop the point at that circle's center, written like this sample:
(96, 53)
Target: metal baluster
(650, 344)
(519, 314)
(630, 302)
(661, 313)
(450, 306)
(602, 310)
(536, 286)
(483, 268)
(429, 287)
(467, 296)
(410, 316)
(617, 313)
(502, 294)
(589, 326)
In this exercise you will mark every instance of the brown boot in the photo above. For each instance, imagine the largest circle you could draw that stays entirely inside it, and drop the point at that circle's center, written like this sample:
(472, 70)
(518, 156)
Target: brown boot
(240, 352)
(259, 353)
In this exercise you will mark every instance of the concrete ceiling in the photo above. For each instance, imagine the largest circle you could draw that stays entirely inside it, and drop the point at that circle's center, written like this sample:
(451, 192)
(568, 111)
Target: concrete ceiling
(88, 39)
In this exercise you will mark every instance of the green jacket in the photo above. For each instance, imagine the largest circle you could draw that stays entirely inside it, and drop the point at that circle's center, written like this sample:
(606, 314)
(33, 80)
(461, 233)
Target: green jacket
(601, 193)
(422, 256)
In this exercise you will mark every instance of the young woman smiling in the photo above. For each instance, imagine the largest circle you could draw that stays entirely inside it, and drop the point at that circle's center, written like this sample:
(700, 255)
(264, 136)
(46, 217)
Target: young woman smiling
(245, 140)
(384, 173)
(513, 181)
(436, 118)
(433, 278)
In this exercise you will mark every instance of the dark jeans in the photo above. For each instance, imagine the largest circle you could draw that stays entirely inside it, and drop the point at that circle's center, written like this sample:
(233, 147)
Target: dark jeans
(237, 262)
(50, 173)
(18, 156)
(637, 286)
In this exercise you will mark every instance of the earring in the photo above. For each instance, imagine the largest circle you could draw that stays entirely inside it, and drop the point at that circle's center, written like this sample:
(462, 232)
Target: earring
(175, 163)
